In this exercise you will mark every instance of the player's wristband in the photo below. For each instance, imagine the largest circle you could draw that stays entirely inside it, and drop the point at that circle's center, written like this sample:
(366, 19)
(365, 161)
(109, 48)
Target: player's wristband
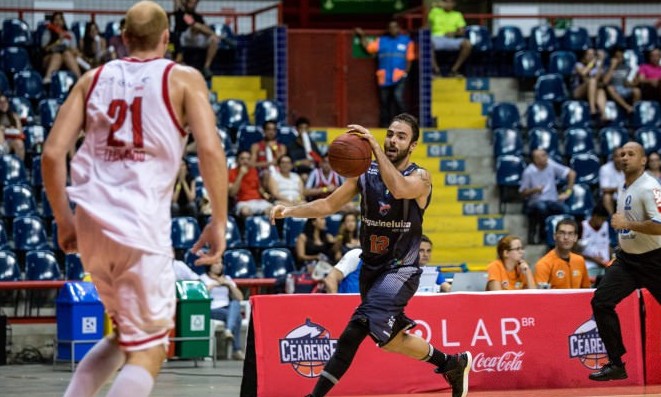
(568, 191)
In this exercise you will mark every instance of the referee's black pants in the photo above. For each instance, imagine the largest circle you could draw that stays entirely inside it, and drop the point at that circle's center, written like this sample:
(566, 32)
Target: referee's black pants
(627, 273)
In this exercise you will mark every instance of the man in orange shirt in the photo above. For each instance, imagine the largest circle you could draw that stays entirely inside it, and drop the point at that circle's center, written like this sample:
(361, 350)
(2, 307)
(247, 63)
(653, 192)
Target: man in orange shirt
(510, 271)
(560, 268)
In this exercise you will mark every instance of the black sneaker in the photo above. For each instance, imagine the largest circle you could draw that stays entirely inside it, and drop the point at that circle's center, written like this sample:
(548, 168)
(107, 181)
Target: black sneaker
(457, 375)
(609, 371)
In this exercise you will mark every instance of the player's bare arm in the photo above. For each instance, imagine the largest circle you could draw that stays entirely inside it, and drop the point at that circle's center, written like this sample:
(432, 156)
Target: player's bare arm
(61, 139)
(414, 186)
(319, 208)
(197, 113)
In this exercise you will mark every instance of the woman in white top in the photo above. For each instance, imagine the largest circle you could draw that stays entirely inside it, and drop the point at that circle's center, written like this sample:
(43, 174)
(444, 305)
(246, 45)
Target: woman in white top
(286, 186)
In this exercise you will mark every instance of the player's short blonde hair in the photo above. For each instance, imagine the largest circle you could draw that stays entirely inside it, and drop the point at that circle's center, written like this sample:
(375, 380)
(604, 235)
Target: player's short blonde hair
(145, 23)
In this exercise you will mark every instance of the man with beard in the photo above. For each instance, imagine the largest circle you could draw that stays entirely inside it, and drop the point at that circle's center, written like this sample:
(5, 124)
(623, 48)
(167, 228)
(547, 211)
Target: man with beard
(394, 194)
(638, 262)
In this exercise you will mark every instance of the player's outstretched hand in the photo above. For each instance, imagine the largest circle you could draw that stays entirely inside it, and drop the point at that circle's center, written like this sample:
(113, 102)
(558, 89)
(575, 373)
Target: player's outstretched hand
(277, 212)
(212, 238)
(66, 236)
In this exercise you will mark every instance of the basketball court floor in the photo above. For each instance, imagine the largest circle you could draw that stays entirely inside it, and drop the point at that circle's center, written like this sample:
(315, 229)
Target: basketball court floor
(182, 378)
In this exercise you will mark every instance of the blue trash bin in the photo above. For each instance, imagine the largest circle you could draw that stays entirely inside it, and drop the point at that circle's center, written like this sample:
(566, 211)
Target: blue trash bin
(79, 320)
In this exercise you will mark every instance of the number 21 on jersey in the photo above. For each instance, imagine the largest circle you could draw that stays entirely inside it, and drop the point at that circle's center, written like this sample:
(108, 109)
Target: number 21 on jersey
(118, 110)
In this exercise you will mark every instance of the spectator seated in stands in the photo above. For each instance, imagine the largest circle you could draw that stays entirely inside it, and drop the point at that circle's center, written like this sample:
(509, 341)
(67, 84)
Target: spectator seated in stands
(314, 244)
(303, 151)
(560, 268)
(265, 153)
(194, 33)
(343, 278)
(322, 181)
(226, 300)
(183, 198)
(116, 47)
(93, 47)
(59, 47)
(611, 178)
(538, 188)
(424, 256)
(594, 244)
(447, 33)
(286, 186)
(621, 83)
(649, 75)
(245, 187)
(654, 165)
(347, 237)
(11, 130)
(586, 81)
(510, 271)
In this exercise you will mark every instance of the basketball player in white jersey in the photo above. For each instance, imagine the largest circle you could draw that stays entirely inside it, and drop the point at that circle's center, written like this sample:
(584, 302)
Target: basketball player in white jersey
(133, 112)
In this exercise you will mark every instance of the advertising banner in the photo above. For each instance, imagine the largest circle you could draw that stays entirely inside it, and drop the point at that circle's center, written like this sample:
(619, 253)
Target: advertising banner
(652, 339)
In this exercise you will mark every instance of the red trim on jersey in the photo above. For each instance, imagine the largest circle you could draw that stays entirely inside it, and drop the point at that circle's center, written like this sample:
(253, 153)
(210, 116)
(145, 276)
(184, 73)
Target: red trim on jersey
(166, 98)
(94, 81)
(144, 341)
(131, 59)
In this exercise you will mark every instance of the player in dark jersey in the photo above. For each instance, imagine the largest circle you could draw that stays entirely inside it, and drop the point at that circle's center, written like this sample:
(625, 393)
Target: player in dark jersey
(394, 194)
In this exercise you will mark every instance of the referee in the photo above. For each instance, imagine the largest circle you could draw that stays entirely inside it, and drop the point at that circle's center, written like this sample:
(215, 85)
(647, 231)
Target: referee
(637, 264)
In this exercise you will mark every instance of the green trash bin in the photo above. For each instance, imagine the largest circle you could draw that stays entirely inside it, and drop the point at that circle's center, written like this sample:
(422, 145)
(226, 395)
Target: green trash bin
(193, 318)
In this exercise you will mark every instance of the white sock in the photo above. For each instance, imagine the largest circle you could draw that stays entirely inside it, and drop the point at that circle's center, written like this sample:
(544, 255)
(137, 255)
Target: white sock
(101, 362)
(132, 381)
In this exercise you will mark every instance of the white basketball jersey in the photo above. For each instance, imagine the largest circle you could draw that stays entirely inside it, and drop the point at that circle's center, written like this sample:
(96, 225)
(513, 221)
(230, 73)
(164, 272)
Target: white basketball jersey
(124, 172)
(596, 243)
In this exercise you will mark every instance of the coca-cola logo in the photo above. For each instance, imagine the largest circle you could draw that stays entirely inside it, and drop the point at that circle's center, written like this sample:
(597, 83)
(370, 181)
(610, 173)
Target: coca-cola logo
(507, 362)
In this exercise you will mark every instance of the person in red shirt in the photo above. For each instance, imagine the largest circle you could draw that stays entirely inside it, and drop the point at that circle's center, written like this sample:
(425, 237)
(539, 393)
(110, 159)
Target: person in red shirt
(246, 189)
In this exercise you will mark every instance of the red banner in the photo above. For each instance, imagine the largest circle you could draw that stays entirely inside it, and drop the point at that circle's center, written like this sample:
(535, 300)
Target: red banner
(519, 340)
(652, 339)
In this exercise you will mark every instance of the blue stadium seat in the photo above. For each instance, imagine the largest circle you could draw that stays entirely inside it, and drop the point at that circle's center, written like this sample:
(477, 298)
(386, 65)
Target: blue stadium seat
(233, 234)
(35, 135)
(575, 114)
(614, 116)
(29, 233)
(611, 138)
(291, 229)
(650, 138)
(16, 33)
(333, 223)
(576, 38)
(551, 87)
(540, 114)
(4, 238)
(189, 258)
(610, 37)
(269, 110)
(41, 265)
(5, 88)
(48, 109)
(580, 202)
(586, 166)
(73, 267)
(544, 138)
(233, 114)
(286, 135)
(78, 29)
(27, 84)
(578, 140)
(62, 81)
(633, 58)
(277, 262)
(643, 38)
(542, 39)
(479, 37)
(112, 29)
(23, 108)
(247, 135)
(193, 165)
(9, 270)
(12, 170)
(509, 39)
(18, 200)
(508, 178)
(14, 59)
(646, 114)
(507, 141)
(239, 263)
(562, 62)
(184, 233)
(260, 233)
(528, 64)
(504, 115)
(550, 224)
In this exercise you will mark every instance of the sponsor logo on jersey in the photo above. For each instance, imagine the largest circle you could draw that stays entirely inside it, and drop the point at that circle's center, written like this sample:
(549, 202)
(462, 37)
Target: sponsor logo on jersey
(384, 208)
(307, 348)
(627, 203)
(404, 225)
(586, 345)
(657, 198)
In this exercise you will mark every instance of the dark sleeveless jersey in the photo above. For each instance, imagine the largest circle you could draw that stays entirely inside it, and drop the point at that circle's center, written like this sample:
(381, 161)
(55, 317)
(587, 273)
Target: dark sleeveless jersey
(390, 229)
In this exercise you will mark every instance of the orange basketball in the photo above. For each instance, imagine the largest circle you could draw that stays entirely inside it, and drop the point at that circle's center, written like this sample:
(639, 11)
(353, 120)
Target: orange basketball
(309, 369)
(350, 155)
(594, 360)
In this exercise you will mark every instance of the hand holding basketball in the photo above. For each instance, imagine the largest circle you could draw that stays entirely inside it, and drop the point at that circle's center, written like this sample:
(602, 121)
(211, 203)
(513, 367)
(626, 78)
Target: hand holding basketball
(350, 154)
